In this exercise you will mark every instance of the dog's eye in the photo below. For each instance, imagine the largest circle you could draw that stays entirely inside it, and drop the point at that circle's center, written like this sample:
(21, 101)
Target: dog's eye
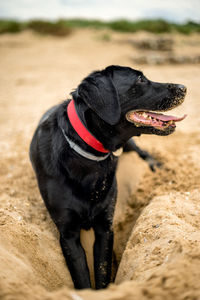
(141, 79)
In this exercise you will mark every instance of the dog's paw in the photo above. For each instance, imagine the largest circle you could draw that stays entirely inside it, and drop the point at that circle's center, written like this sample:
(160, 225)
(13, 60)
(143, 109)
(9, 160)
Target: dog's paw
(153, 163)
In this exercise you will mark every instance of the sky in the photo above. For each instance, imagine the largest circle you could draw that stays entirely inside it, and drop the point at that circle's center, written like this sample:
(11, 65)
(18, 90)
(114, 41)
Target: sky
(172, 10)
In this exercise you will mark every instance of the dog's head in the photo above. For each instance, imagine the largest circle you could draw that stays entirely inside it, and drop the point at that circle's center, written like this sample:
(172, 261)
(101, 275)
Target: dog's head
(124, 99)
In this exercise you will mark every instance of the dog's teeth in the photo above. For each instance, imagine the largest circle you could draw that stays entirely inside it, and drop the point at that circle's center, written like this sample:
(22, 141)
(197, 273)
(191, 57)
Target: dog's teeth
(144, 115)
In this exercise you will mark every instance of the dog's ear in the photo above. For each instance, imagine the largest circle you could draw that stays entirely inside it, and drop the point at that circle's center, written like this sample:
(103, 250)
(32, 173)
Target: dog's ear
(100, 94)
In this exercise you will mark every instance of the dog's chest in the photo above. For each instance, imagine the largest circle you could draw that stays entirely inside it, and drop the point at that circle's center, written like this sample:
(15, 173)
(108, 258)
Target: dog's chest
(95, 187)
(92, 181)
(92, 194)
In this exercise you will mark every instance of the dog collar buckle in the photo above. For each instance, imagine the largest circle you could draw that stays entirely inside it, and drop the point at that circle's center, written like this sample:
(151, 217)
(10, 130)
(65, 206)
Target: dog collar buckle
(118, 152)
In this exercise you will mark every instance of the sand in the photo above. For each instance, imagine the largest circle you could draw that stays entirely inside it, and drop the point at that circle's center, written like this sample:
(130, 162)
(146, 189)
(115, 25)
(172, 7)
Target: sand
(157, 224)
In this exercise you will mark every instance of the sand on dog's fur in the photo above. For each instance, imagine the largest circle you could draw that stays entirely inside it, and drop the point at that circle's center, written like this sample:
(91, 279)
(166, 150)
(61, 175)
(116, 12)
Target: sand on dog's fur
(157, 224)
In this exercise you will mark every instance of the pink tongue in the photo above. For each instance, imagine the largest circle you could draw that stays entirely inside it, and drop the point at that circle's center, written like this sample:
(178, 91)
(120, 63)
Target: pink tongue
(165, 117)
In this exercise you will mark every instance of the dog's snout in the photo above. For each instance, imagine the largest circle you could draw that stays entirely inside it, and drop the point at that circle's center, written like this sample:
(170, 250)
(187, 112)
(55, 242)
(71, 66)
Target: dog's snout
(182, 88)
(170, 86)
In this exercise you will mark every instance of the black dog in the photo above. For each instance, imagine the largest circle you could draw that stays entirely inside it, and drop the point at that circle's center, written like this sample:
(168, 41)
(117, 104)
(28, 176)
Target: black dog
(73, 153)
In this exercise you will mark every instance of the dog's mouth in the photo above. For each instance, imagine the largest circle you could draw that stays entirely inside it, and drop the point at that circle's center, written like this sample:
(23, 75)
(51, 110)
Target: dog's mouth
(153, 119)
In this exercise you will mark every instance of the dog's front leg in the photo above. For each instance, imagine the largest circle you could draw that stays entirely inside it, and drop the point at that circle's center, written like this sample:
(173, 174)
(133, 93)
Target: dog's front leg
(103, 248)
(152, 162)
(73, 252)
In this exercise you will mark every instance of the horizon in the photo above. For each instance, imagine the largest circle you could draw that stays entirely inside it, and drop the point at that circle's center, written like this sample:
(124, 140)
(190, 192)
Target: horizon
(180, 11)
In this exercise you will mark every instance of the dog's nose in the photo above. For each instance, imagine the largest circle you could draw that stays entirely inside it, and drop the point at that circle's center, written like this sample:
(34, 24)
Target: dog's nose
(182, 88)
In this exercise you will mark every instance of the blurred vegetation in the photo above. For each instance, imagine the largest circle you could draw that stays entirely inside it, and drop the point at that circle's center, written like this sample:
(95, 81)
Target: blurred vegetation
(46, 27)
(10, 26)
(64, 27)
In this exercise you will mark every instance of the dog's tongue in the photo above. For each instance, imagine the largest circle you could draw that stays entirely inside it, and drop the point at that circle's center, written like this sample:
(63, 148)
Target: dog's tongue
(162, 117)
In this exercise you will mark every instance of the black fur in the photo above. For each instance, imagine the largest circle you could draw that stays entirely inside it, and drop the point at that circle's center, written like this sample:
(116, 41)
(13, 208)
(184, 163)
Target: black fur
(80, 193)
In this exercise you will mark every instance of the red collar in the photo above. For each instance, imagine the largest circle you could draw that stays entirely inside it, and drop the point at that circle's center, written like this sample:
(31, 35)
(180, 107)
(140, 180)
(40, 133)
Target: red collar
(81, 130)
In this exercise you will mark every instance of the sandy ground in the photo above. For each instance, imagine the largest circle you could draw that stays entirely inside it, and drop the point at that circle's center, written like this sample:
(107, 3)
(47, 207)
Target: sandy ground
(157, 224)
